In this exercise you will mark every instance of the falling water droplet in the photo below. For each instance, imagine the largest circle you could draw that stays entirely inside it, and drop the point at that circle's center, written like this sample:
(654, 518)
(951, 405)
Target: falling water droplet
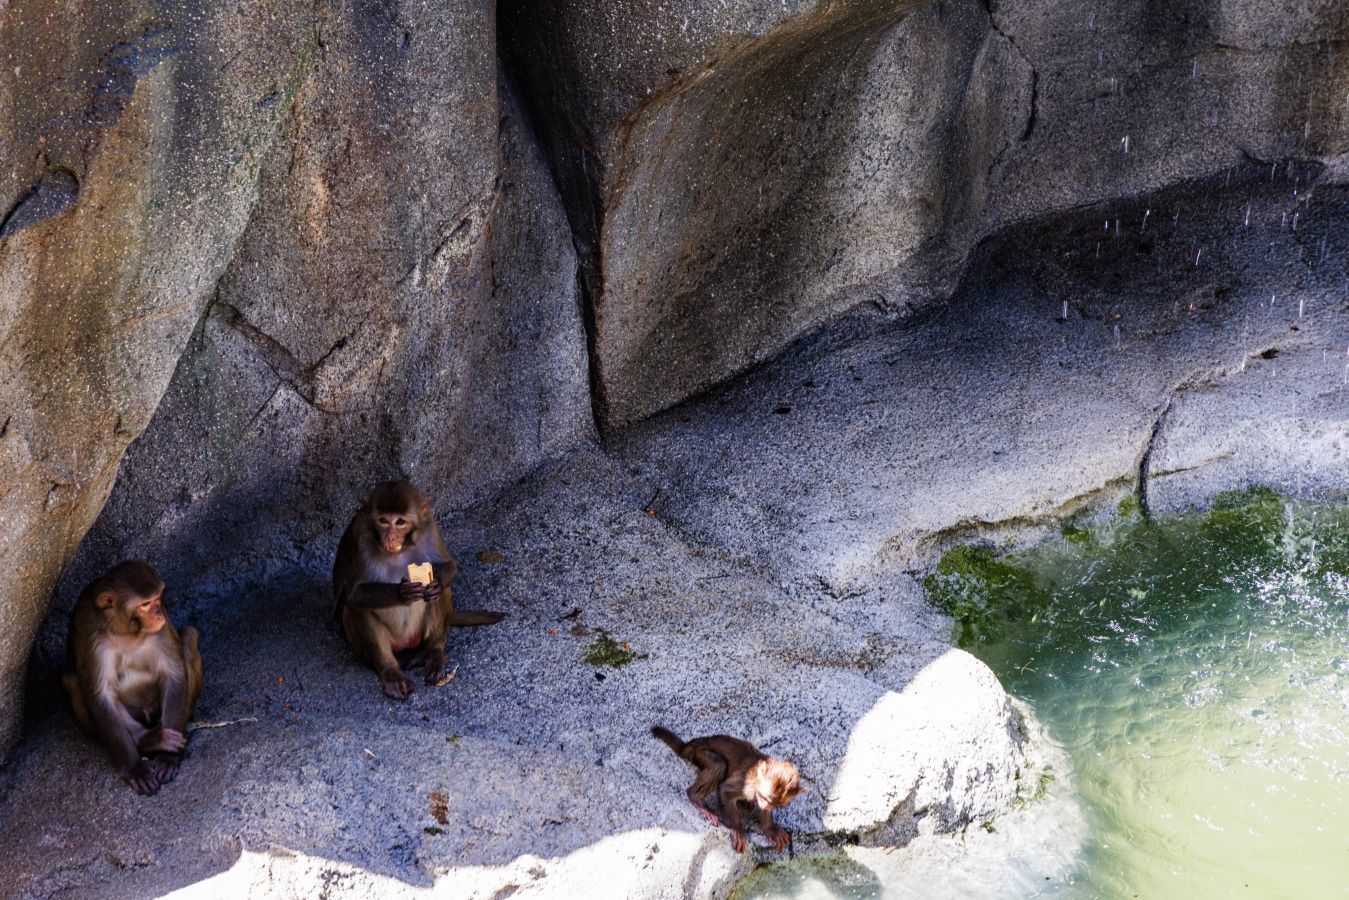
(1146, 213)
(1295, 215)
(1065, 309)
(1197, 255)
(1194, 70)
(1301, 306)
(1247, 222)
(1124, 142)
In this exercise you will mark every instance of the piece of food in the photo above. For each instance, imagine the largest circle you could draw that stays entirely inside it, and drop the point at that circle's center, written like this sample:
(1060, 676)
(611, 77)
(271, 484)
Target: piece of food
(420, 573)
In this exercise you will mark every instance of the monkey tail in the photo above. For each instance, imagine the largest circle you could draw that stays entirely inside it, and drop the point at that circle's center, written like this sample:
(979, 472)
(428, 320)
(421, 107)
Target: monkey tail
(466, 617)
(670, 739)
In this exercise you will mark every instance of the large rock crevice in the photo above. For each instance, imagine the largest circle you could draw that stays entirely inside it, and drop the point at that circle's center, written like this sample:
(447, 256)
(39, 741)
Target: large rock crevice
(403, 304)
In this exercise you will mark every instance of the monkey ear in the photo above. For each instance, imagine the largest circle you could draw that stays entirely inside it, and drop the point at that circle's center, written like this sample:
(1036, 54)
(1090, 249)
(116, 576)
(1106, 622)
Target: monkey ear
(106, 600)
(425, 507)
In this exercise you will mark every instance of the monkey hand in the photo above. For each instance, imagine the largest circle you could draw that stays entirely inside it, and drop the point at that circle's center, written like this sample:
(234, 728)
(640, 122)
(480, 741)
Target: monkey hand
(431, 591)
(737, 840)
(142, 779)
(162, 740)
(165, 767)
(409, 591)
(780, 838)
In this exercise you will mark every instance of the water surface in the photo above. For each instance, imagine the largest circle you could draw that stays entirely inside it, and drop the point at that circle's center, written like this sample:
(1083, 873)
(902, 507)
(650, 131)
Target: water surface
(1196, 673)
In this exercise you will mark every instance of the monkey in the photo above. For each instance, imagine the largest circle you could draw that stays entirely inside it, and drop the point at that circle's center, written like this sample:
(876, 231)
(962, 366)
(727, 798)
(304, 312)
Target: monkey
(740, 774)
(133, 680)
(381, 611)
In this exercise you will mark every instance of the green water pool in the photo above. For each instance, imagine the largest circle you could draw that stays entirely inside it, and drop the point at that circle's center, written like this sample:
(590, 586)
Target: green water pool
(1196, 674)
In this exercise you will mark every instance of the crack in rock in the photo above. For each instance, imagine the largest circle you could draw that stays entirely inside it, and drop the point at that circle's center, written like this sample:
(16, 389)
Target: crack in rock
(55, 192)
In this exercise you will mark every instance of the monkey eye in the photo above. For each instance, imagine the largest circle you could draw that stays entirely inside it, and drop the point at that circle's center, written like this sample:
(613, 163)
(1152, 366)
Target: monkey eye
(400, 521)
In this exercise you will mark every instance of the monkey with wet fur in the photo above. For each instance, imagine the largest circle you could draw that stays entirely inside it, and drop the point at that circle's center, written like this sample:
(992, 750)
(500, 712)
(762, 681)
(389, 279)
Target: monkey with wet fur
(382, 612)
(739, 774)
(134, 679)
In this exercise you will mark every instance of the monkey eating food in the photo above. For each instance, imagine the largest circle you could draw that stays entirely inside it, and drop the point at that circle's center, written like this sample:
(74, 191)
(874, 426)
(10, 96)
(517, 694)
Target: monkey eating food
(133, 680)
(384, 606)
(739, 774)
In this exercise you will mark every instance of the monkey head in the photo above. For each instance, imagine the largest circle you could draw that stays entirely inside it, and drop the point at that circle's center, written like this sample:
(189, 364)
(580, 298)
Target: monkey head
(396, 511)
(775, 783)
(131, 596)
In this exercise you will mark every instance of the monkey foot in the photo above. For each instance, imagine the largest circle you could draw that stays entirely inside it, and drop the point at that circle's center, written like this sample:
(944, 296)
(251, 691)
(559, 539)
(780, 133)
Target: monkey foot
(142, 780)
(737, 841)
(165, 767)
(397, 685)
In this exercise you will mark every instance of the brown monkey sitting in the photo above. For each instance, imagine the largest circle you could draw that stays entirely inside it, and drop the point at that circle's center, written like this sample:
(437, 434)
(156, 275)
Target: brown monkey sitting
(134, 680)
(382, 612)
(739, 773)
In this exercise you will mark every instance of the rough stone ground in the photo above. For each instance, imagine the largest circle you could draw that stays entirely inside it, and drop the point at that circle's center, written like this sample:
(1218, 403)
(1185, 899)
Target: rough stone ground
(771, 587)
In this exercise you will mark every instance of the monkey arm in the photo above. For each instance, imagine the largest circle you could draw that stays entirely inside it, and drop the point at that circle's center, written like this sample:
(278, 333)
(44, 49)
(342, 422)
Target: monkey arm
(175, 706)
(730, 815)
(728, 800)
(770, 829)
(116, 727)
(445, 572)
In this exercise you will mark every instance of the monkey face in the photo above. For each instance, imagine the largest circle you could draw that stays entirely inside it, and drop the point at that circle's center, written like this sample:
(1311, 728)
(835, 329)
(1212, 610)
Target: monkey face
(149, 612)
(394, 530)
(779, 783)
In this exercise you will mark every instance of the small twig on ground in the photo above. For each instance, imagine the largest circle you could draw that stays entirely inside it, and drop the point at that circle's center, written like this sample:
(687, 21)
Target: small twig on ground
(201, 726)
(448, 678)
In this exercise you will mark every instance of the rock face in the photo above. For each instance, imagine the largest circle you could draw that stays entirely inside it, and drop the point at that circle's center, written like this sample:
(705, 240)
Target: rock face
(128, 166)
(404, 303)
(339, 253)
(289, 250)
(738, 173)
(757, 550)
